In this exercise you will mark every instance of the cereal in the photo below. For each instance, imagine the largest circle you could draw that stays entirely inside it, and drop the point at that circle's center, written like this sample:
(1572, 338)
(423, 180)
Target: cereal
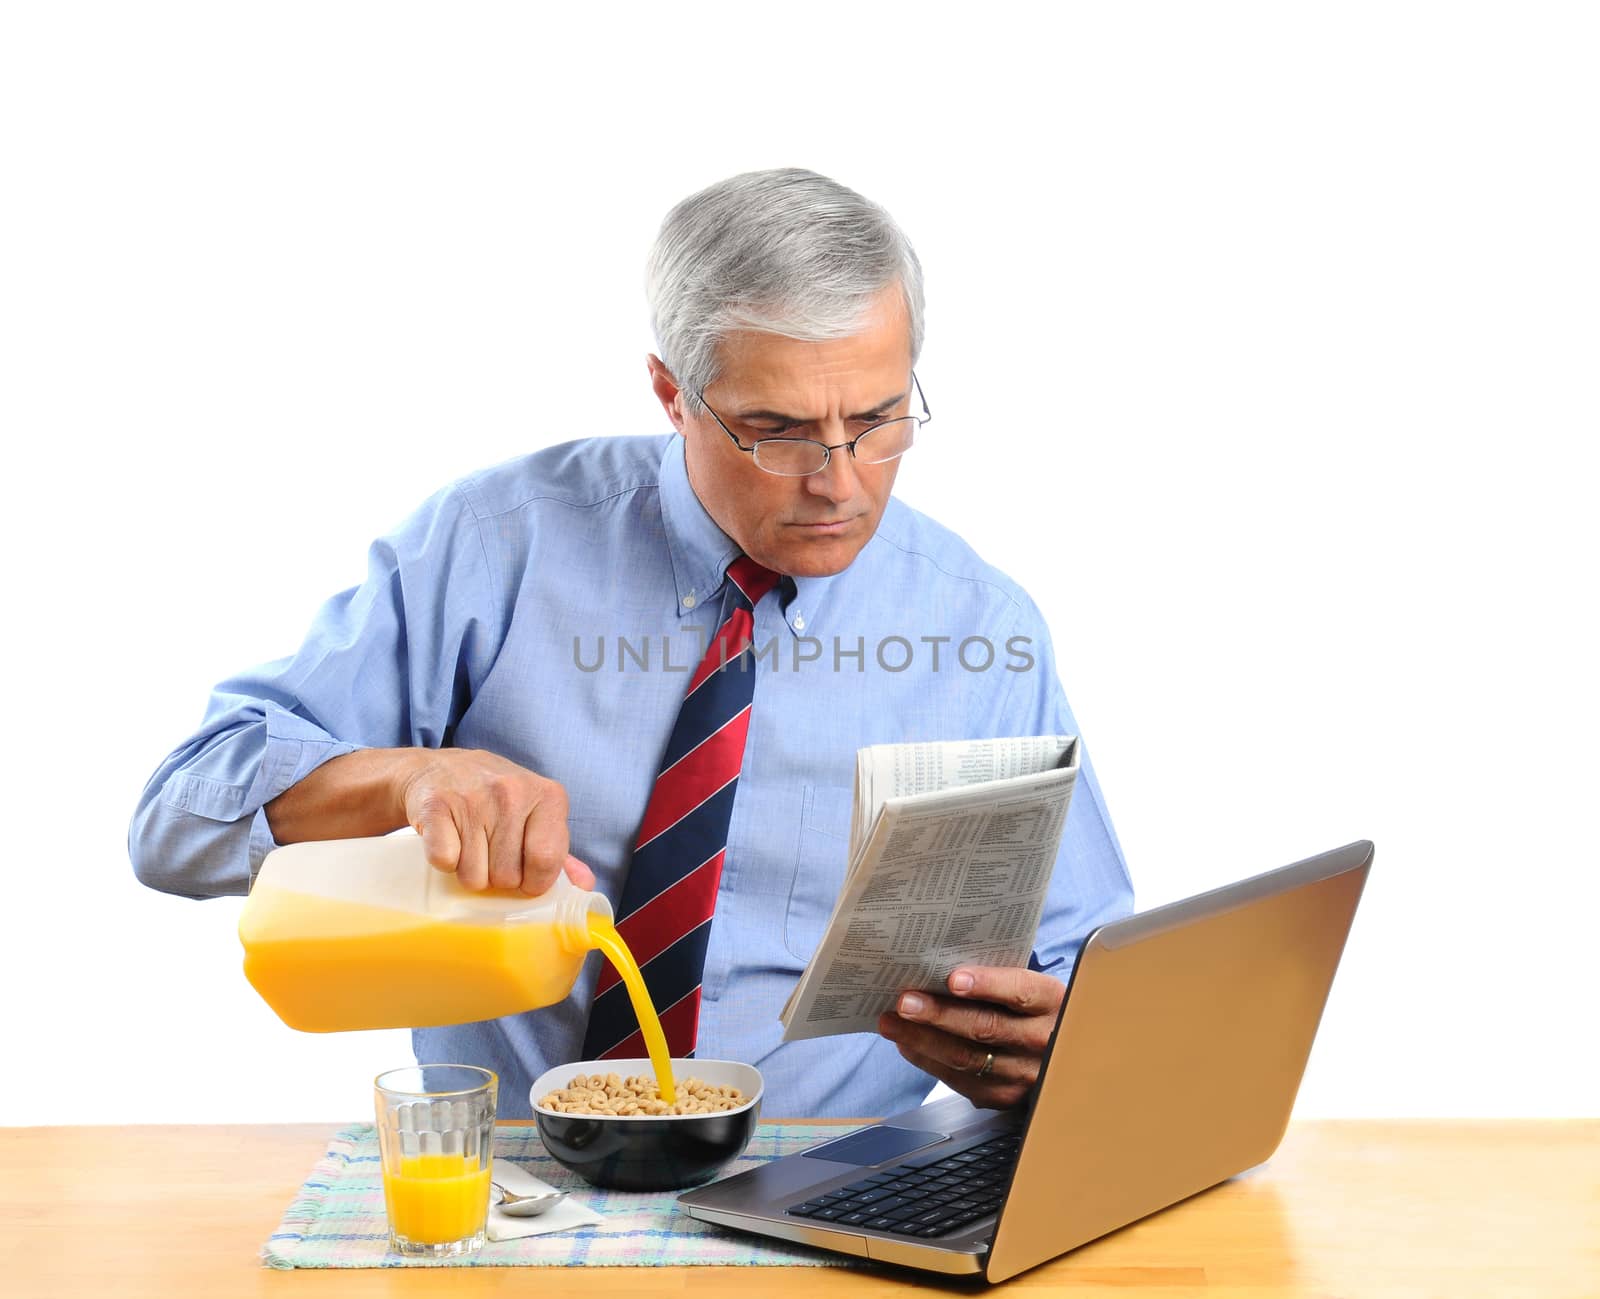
(637, 1095)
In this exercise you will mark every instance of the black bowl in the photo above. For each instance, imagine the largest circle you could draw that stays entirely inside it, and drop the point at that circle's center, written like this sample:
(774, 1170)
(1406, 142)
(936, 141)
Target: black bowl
(647, 1152)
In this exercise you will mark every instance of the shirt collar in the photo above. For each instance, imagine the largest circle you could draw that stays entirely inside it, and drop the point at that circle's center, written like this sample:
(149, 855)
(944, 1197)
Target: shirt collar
(701, 551)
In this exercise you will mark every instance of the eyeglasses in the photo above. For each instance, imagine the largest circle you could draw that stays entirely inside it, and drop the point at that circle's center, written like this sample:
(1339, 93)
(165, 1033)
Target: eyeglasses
(797, 457)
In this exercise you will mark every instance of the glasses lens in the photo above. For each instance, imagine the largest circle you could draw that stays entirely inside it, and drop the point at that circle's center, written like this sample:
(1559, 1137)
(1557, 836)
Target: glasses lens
(790, 456)
(886, 441)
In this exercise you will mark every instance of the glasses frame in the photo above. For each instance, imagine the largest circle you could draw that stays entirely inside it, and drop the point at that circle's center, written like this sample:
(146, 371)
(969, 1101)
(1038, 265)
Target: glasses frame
(827, 450)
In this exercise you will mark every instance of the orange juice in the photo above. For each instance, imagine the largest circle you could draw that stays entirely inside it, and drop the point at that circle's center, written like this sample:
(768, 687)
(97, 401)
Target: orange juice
(605, 936)
(343, 965)
(348, 934)
(327, 965)
(435, 1199)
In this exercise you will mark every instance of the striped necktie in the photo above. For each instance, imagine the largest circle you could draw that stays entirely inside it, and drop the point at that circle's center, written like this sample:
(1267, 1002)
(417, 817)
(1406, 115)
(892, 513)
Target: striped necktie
(671, 893)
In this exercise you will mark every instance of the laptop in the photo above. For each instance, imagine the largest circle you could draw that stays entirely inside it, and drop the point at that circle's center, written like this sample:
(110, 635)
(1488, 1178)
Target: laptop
(1173, 1066)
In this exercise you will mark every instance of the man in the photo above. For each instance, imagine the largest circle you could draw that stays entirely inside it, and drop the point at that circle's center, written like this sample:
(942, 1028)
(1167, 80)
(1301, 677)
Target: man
(513, 669)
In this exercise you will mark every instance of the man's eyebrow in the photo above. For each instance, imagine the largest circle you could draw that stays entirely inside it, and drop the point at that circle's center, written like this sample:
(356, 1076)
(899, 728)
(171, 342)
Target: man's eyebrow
(778, 417)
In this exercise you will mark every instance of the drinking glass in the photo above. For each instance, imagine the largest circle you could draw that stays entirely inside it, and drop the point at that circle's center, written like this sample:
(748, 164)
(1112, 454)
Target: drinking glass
(436, 1138)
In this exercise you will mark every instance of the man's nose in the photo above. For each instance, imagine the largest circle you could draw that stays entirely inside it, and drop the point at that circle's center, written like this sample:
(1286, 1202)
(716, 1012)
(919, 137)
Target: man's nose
(837, 479)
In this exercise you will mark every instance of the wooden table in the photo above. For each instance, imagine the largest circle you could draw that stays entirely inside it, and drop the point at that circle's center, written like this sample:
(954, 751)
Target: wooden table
(1368, 1209)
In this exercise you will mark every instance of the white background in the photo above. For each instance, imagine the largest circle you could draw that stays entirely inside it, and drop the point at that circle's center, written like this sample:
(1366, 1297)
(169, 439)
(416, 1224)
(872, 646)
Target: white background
(1262, 343)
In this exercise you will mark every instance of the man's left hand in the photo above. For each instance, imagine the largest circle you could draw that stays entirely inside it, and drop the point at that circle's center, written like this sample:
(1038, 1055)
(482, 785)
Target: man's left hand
(992, 1009)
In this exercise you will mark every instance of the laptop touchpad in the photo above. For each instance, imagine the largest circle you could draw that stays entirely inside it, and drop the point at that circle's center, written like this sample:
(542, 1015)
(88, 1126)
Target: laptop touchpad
(875, 1145)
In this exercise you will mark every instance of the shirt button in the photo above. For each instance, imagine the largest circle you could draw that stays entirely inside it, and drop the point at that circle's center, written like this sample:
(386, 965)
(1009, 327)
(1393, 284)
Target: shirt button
(799, 622)
(688, 600)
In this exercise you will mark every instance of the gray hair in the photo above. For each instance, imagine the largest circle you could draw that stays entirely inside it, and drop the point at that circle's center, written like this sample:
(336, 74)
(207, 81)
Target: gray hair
(783, 252)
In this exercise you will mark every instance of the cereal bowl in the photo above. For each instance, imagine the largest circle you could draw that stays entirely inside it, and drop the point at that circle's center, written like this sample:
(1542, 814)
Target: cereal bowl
(649, 1152)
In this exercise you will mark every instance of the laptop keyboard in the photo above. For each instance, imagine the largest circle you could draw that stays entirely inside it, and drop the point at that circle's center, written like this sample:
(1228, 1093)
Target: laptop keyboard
(924, 1200)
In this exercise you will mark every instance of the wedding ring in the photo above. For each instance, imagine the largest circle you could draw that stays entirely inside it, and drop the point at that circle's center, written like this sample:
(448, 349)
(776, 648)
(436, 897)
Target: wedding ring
(982, 1071)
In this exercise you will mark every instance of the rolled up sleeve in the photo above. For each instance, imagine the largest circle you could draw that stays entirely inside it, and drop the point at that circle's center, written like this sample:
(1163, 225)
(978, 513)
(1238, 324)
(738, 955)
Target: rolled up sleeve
(389, 663)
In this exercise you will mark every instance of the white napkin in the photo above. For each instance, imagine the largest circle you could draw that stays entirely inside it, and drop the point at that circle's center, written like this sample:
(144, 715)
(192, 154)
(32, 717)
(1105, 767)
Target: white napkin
(565, 1216)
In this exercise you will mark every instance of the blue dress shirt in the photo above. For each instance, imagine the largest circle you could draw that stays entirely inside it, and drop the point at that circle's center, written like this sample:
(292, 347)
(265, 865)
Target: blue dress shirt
(550, 609)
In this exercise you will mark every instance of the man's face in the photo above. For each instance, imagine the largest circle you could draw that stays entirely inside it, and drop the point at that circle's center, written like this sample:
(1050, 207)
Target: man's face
(830, 391)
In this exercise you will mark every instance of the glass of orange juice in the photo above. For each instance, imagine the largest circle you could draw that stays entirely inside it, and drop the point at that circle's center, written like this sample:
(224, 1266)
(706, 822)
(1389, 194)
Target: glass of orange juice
(436, 1138)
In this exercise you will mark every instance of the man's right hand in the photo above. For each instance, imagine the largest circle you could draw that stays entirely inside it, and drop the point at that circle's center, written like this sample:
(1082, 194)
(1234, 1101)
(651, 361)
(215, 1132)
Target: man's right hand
(493, 823)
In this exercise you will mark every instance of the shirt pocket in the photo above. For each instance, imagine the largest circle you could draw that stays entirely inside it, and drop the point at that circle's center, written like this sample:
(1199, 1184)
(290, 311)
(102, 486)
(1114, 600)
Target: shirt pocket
(821, 861)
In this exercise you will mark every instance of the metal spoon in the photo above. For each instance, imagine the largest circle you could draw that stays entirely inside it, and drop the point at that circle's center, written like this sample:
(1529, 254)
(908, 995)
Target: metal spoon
(526, 1206)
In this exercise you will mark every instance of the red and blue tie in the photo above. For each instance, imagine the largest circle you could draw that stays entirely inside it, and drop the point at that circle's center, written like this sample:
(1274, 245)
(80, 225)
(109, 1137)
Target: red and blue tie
(671, 893)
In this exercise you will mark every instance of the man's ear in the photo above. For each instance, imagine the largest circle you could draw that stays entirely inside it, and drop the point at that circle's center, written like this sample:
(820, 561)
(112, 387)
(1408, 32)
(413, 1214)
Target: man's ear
(666, 390)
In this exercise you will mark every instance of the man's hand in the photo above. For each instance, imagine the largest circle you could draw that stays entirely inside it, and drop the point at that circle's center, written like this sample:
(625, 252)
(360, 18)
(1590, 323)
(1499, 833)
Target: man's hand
(493, 823)
(997, 1009)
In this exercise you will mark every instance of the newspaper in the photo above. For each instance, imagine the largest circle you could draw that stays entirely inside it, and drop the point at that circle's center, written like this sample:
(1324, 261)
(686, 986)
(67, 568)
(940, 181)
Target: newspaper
(951, 848)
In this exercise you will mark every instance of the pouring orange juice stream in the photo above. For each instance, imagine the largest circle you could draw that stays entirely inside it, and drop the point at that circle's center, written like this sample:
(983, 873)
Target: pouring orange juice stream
(609, 941)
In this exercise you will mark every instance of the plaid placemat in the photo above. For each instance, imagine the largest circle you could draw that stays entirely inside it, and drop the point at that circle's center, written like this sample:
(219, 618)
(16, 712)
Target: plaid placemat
(337, 1217)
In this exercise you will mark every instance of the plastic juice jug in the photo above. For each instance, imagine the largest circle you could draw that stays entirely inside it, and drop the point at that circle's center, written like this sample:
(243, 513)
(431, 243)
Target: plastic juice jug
(364, 933)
